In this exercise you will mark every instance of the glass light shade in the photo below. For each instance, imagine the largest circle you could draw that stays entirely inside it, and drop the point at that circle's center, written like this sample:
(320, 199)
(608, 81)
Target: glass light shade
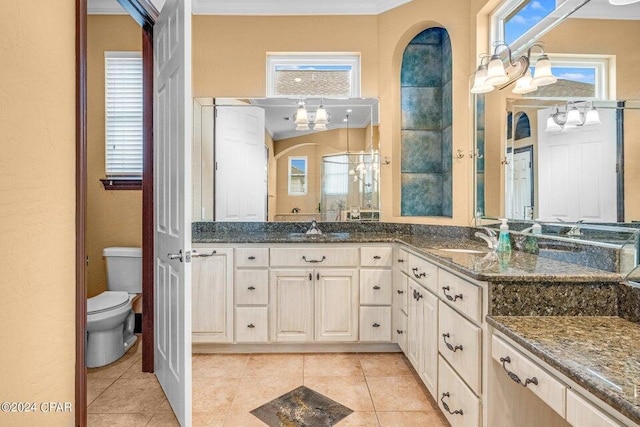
(321, 116)
(542, 74)
(479, 82)
(573, 117)
(552, 125)
(495, 72)
(302, 126)
(525, 84)
(592, 117)
(622, 2)
(320, 126)
(301, 116)
(569, 128)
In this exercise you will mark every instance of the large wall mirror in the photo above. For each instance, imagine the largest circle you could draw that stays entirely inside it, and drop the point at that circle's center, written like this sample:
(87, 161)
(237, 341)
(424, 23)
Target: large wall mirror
(281, 159)
(532, 166)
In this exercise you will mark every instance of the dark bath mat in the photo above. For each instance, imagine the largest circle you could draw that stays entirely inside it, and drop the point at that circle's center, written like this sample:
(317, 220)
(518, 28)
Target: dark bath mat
(301, 407)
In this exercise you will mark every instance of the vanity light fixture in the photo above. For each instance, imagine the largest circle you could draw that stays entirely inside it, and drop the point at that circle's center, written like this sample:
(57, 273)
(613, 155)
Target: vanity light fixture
(622, 2)
(494, 74)
(304, 120)
(572, 117)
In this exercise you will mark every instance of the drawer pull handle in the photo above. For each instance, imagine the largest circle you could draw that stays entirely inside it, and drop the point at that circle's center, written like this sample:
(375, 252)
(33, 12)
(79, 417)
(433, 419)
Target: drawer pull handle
(252, 288)
(318, 276)
(418, 275)
(376, 325)
(514, 377)
(376, 287)
(446, 407)
(196, 254)
(310, 276)
(449, 297)
(400, 260)
(417, 295)
(400, 292)
(251, 257)
(251, 326)
(313, 261)
(376, 257)
(449, 346)
(399, 331)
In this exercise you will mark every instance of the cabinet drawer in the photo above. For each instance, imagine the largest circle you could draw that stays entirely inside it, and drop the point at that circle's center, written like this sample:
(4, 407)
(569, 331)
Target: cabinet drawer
(314, 257)
(550, 390)
(403, 261)
(252, 287)
(251, 324)
(454, 396)
(375, 287)
(460, 342)
(252, 257)
(460, 294)
(582, 413)
(423, 272)
(401, 331)
(375, 323)
(376, 256)
(400, 293)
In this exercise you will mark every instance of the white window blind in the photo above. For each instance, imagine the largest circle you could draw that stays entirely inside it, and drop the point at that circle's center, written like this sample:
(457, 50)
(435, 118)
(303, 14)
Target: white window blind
(335, 175)
(123, 113)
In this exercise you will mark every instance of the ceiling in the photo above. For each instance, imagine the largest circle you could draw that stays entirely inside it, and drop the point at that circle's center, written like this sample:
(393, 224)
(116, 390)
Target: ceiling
(265, 7)
(602, 9)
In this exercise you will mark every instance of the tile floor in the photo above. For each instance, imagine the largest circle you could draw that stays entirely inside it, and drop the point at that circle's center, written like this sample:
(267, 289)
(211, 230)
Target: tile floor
(381, 389)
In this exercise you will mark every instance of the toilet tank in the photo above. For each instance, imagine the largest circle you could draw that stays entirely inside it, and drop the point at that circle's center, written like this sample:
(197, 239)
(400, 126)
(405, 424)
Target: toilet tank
(124, 269)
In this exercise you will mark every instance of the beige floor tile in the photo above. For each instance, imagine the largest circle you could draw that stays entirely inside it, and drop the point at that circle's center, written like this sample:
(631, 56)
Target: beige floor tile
(213, 394)
(242, 419)
(116, 369)
(398, 394)
(95, 387)
(360, 419)
(352, 392)
(268, 365)
(164, 407)
(135, 371)
(410, 419)
(256, 391)
(385, 365)
(219, 365)
(323, 365)
(209, 419)
(117, 420)
(129, 396)
(164, 419)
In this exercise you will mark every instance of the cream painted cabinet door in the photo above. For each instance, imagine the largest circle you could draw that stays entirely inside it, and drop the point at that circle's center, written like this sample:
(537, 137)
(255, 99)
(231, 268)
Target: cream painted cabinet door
(415, 325)
(292, 300)
(211, 296)
(428, 354)
(336, 305)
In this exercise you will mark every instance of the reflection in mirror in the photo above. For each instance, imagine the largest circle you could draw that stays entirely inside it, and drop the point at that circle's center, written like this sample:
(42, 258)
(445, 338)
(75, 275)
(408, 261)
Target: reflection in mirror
(587, 173)
(282, 159)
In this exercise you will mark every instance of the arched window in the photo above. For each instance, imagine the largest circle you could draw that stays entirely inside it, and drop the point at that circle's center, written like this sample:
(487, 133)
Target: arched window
(426, 139)
(523, 126)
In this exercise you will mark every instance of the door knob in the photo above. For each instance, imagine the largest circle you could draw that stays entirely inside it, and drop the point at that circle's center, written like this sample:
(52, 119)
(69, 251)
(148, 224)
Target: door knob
(196, 254)
(177, 256)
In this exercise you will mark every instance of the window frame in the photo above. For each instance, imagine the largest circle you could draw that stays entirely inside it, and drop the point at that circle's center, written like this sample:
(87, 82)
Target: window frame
(306, 176)
(122, 180)
(275, 59)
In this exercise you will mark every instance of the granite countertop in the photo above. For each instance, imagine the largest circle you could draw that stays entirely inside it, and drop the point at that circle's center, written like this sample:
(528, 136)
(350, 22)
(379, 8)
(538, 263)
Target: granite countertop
(599, 353)
(518, 267)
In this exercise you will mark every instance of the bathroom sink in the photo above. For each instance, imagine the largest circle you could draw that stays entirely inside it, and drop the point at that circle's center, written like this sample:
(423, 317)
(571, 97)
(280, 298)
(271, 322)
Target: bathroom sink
(464, 251)
(324, 236)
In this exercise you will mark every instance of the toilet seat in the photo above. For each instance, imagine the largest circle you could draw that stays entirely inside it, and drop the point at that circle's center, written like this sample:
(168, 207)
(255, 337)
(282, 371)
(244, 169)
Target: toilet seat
(107, 301)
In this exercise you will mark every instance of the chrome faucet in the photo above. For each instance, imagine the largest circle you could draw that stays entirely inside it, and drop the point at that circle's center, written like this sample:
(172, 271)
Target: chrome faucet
(313, 229)
(575, 229)
(491, 237)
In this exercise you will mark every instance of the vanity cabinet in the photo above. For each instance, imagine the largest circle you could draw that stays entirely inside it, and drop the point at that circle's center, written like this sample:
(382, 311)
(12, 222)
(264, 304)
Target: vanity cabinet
(212, 295)
(336, 305)
(292, 305)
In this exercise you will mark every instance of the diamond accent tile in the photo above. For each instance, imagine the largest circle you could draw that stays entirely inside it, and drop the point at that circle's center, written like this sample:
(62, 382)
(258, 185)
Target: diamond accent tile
(301, 407)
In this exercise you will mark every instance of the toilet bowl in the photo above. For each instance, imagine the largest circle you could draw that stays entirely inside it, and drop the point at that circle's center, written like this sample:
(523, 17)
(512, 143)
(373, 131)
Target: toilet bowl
(110, 320)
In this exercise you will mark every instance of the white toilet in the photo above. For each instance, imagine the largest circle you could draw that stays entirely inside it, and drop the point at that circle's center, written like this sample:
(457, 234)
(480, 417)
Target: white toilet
(110, 320)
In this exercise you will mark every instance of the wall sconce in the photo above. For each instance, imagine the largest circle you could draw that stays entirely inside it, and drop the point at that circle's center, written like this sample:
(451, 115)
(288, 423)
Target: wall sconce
(494, 74)
(304, 120)
(572, 117)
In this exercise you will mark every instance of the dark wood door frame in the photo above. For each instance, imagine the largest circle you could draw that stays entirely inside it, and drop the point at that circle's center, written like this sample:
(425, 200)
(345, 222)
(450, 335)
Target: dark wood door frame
(145, 14)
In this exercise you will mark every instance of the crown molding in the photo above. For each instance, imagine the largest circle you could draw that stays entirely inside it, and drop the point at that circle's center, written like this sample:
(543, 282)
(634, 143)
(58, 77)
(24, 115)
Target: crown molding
(267, 7)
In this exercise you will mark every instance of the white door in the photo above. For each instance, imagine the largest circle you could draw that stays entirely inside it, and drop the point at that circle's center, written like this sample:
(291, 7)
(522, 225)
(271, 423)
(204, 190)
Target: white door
(522, 198)
(577, 176)
(172, 204)
(241, 164)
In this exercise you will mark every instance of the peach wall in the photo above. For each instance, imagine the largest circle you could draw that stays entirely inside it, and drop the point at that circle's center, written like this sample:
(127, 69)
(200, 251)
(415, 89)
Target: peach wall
(37, 207)
(114, 218)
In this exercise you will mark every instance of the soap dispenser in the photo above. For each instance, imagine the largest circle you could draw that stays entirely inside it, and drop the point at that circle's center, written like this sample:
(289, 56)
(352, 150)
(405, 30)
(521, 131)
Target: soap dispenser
(504, 241)
(531, 240)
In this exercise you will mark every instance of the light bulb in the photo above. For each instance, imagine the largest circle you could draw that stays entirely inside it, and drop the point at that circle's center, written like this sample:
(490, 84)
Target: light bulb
(495, 72)
(480, 81)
